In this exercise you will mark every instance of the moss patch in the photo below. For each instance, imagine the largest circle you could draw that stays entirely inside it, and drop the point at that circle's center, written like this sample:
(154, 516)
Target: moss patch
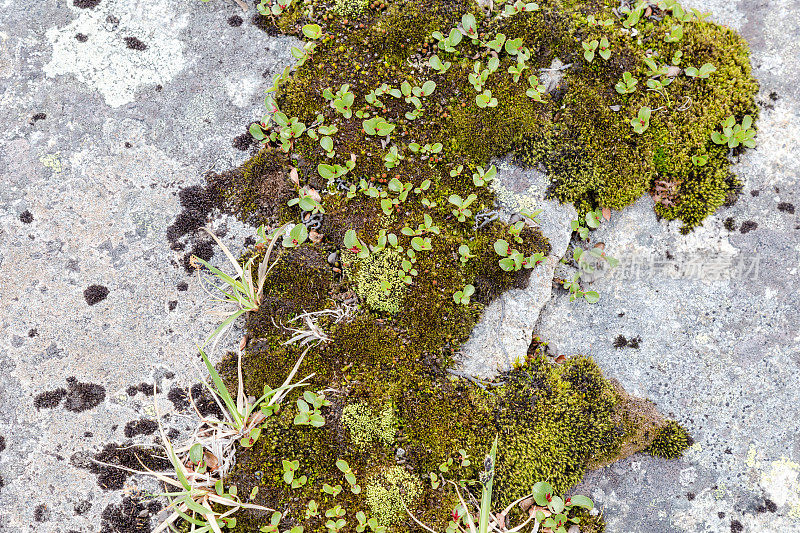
(396, 349)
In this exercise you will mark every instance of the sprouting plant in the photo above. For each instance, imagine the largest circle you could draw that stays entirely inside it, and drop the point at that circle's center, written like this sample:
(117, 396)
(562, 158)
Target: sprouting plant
(448, 43)
(312, 509)
(313, 32)
(592, 219)
(703, 72)
(336, 521)
(308, 200)
(332, 490)
(519, 7)
(537, 89)
(604, 49)
(515, 230)
(633, 15)
(342, 465)
(469, 26)
(485, 99)
(575, 291)
(589, 48)
(290, 130)
(513, 259)
(477, 78)
(274, 522)
(735, 134)
(591, 21)
(516, 70)
(675, 34)
(426, 149)
(421, 244)
(331, 172)
(557, 518)
(342, 101)
(427, 226)
(464, 253)
(354, 244)
(516, 47)
(627, 84)
(296, 236)
(289, 477)
(408, 266)
(438, 65)
(462, 211)
(392, 158)
(463, 296)
(642, 120)
(309, 409)
(378, 126)
(482, 177)
(240, 288)
(699, 160)
(677, 57)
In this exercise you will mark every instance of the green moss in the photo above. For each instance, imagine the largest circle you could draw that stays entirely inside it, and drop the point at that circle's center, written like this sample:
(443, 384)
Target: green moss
(670, 441)
(389, 493)
(366, 426)
(554, 421)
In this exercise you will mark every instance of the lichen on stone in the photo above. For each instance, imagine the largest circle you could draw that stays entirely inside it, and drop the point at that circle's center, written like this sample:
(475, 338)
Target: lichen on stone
(389, 493)
(369, 426)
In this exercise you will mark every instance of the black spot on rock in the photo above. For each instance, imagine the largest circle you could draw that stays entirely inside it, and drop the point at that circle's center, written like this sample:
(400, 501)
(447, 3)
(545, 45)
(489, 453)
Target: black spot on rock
(235, 21)
(88, 434)
(33, 332)
(86, 4)
(26, 217)
(755, 192)
(82, 507)
(721, 514)
(736, 526)
(2, 443)
(135, 44)
(38, 116)
(41, 513)
(690, 496)
(128, 145)
(243, 142)
(95, 294)
(81, 37)
(144, 388)
(786, 207)
(620, 342)
(634, 343)
(203, 249)
(83, 396)
(748, 226)
(730, 224)
(113, 478)
(266, 24)
(132, 515)
(179, 398)
(771, 506)
(172, 304)
(49, 399)
(182, 286)
(140, 427)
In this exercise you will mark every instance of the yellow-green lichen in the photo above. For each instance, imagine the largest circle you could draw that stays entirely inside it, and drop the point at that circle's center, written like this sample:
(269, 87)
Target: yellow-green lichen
(389, 493)
(378, 279)
(367, 426)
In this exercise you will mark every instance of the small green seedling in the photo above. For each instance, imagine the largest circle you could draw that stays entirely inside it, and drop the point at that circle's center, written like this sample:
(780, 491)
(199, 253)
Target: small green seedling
(604, 49)
(485, 99)
(332, 490)
(699, 160)
(307, 201)
(392, 158)
(309, 409)
(513, 259)
(289, 477)
(449, 43)
(342, 465)
(702, 73)
(274, 522)
(464, 253)
(589, 48)
(537, 89)
(342, 101)
(675, 34)
(378, 126)
(463, 296)
(627, 84)
(438, 65)
(642, 121)
(312, 509)
(462, 211)
(482, 177)
(295, 236)
(558, 519)
(735, 134)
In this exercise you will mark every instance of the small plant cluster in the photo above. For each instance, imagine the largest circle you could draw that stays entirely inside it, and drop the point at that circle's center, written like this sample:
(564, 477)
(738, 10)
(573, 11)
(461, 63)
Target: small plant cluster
(585, 259)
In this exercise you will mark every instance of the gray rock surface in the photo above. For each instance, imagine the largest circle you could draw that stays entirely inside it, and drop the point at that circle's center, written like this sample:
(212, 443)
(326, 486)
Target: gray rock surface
(717, 351)
(124, 130)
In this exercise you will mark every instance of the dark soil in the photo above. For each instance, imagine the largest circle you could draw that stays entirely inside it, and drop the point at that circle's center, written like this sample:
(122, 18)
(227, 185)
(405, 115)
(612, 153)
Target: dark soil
(133, 457)
(83, 396)
(786, 207)
(86, 4)
(142, 426)
(49, 399)
(144, 388)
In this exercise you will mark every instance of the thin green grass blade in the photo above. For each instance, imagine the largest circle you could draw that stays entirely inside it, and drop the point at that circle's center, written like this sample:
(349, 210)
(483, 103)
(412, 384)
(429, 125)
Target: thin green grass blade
(222, 390)
(486, 496)
(225, 323)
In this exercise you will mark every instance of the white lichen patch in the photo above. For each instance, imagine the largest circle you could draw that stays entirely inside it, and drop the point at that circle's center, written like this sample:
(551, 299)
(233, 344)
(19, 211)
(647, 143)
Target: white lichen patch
(781, 481)
(93, 47)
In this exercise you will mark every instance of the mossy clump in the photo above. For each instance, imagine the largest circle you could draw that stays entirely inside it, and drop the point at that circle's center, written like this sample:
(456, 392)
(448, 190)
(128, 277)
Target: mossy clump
(368, 426)
(670, 441)
(349, 8)
(389, 493)
(393, 329)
